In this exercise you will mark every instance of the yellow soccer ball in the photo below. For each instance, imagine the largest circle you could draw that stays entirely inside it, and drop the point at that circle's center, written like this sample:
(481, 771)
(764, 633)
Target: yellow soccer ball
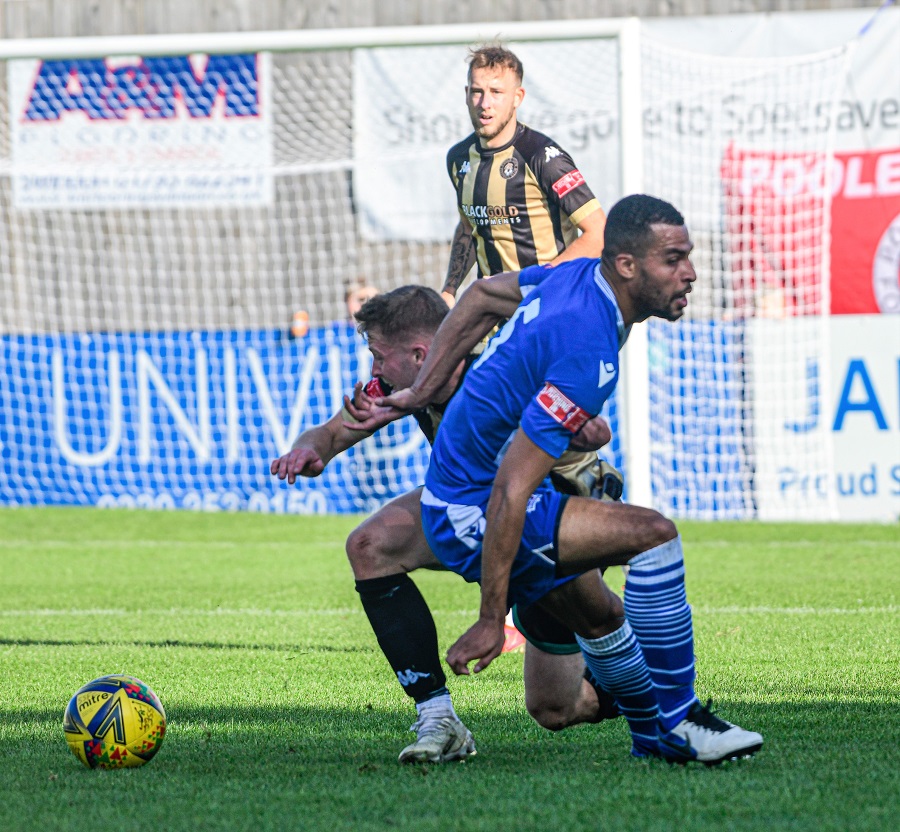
(114, 722)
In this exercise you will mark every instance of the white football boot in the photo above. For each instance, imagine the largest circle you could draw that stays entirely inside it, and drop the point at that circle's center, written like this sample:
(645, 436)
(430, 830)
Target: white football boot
(440, 737)
(704, 737)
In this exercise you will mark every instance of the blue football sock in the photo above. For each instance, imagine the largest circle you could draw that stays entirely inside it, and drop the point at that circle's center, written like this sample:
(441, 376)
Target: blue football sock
(618, 665)
(657, 608)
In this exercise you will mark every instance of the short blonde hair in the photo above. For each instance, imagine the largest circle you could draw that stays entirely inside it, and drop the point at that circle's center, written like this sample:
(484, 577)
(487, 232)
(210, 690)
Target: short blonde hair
(493, 55)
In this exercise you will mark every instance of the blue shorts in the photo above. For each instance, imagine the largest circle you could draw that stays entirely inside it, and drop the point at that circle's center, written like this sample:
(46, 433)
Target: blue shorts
(455, 533)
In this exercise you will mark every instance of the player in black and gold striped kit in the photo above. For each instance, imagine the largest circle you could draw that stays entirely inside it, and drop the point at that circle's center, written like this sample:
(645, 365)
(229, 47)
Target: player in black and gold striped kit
(521, 199)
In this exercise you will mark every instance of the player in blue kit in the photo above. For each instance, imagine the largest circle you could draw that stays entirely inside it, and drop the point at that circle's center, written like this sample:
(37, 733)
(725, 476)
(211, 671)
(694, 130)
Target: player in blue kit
(490, 514)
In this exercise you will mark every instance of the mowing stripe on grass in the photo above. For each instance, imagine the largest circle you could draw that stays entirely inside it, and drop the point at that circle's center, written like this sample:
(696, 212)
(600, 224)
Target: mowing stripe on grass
(269, 613)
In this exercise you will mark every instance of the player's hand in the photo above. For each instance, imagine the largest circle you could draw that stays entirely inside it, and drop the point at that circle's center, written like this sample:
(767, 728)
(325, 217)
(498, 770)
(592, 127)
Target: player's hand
(360, 406)
(384, 410)
(299, 462)
(593, 435)
(483, 641)
(375, 418)
(367, 416)
(406, 400)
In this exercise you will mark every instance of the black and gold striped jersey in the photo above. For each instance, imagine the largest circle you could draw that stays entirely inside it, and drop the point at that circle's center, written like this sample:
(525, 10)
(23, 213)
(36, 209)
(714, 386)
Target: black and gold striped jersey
(524, 201)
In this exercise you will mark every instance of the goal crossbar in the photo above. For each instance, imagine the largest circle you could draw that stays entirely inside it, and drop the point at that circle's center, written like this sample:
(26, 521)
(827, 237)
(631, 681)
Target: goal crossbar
(309, 40)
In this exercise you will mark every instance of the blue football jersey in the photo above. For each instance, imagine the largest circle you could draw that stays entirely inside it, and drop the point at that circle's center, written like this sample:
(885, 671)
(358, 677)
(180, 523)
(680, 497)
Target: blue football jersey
(548, 370)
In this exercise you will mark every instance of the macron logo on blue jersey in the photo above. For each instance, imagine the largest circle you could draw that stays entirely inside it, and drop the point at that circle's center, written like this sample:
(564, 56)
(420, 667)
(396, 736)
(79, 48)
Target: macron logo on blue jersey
(607, 373)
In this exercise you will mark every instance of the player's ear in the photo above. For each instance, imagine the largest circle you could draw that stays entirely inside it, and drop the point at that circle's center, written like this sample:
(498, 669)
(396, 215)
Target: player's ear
(626, 265)
(518, 96)
(420, 351)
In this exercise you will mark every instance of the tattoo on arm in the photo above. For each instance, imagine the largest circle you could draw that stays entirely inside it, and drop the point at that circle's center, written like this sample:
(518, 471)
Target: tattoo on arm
(462, 257)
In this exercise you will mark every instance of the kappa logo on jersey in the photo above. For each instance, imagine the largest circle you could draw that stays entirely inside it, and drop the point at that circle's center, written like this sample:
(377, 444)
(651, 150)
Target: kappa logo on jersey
(607, 373)
(464, 168)
(568, 183)
(509, 168)
(562, 408)
(551, 152)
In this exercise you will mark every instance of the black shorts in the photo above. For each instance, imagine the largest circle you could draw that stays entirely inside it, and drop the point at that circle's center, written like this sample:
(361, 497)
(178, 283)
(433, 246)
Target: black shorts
(543, 630)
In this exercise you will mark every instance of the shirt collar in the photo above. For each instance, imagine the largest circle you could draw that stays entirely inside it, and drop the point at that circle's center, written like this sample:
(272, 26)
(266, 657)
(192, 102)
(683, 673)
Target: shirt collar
(621, 330)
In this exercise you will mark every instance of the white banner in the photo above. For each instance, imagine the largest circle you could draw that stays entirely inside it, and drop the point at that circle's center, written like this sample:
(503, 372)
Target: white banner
(192, 131)
(409, 109)
(868, 113)
(857, 414)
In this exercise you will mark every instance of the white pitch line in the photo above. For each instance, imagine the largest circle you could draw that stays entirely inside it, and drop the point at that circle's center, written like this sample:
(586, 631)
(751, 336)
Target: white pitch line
(888, 610)
(268, 613)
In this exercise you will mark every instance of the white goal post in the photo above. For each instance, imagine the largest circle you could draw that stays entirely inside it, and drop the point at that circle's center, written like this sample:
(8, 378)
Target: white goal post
(163, 216)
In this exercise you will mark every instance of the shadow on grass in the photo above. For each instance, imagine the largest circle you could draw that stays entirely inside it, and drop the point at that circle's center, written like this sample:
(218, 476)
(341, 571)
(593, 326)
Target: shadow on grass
(198, 645)
(312, 768)
(338, 737)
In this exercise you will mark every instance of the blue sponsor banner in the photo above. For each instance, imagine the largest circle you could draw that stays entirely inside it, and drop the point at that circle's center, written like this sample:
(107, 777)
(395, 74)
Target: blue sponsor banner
(194, 419)
(189, 420)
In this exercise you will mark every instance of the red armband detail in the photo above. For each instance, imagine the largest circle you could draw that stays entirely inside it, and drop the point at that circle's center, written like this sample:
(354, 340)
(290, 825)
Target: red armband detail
(569, 182)
(562, 408)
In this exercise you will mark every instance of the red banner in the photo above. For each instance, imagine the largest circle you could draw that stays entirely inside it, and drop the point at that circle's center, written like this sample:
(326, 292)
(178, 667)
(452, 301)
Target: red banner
(775, 210)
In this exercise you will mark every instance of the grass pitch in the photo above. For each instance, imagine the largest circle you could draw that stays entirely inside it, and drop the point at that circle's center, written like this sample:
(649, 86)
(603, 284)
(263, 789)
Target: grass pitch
(284, 715)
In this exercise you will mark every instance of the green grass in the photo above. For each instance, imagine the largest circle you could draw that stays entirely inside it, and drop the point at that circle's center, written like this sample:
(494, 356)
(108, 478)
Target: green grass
(284, 715)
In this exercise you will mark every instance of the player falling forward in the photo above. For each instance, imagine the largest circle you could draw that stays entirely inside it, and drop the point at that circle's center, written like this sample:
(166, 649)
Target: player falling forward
(490, 514)
(400, 326)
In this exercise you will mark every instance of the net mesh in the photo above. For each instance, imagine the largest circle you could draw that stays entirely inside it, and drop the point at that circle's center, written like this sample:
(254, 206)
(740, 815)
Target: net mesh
(146, 356)
(744, 149)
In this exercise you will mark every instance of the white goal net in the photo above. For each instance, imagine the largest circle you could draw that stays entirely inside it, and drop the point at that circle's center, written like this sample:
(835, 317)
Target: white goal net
(744, 149)
(162, 219)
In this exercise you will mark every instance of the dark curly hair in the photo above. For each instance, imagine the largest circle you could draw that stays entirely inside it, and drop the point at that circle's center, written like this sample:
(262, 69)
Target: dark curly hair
(628, 225)
(403, 312)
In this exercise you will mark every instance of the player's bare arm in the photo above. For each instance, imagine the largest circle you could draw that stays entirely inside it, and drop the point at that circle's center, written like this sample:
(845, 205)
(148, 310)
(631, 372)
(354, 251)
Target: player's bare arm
(462, 258)
(315, 448)
(482, 306)
(589, 243)
(524, 467)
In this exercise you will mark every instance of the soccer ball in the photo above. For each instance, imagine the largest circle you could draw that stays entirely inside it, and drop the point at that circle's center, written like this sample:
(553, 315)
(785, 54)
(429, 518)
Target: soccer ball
(114, 722)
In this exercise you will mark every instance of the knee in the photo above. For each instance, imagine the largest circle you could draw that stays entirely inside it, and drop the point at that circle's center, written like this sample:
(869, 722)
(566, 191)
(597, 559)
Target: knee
(549, 715)
(659, 529)
(365, 553)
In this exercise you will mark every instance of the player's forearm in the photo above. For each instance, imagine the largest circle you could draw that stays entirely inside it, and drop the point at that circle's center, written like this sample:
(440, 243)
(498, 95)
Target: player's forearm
(481, 307)
(584, 246)
(505, 522)
(523, 468)
(462, 258)
(327, 440)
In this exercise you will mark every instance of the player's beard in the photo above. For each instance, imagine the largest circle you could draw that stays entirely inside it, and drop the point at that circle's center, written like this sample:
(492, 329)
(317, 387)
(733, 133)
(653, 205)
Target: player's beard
(486, 132)
(657, 302)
